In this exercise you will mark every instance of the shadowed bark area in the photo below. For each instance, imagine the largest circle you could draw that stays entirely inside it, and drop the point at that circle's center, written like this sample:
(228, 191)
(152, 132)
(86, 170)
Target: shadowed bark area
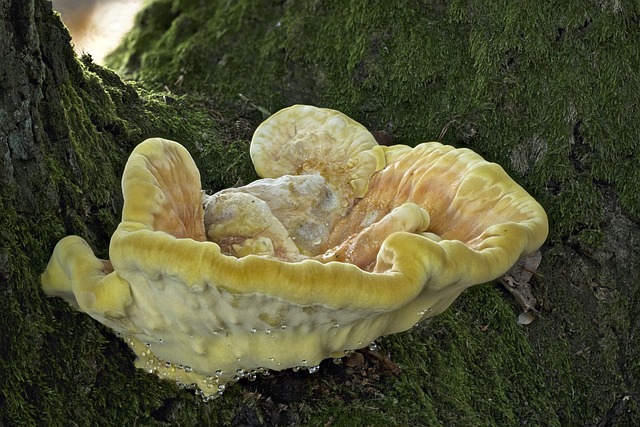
(548, 95)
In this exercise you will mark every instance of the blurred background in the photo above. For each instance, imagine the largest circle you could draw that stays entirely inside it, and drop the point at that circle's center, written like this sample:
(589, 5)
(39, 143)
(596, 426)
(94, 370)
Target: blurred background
(97, 26)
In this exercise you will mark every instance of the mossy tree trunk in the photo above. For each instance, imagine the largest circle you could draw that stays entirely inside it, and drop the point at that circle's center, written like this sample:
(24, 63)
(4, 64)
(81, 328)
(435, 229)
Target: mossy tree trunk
(66, 128)
(67, 125)
(30, 106)
(59, 174)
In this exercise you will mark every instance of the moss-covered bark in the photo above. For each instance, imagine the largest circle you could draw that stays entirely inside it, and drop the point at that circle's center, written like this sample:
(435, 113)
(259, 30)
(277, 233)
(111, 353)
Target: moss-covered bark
(549, 93)
(66, 128)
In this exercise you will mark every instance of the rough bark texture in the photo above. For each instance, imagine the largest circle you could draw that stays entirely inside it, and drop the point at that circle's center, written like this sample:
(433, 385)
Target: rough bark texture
(550, 94)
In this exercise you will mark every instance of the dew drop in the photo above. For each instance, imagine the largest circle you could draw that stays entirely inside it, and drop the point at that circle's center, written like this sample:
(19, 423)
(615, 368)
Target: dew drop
(253, 330)
(314, 369)
(373, 346)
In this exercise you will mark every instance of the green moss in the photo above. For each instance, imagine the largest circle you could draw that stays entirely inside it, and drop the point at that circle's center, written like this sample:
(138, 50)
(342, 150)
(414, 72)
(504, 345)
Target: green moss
(474, 367)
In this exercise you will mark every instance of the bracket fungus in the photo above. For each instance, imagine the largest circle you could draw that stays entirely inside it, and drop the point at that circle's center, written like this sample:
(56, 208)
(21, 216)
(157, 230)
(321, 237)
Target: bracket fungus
(341, 242)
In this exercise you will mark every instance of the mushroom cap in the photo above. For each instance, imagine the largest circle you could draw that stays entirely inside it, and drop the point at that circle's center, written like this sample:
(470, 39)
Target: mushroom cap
(469, 200)
(304, 139)
(198, 316)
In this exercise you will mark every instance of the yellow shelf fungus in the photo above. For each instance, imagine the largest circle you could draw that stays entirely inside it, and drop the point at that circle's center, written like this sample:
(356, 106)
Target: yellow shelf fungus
(343, 241)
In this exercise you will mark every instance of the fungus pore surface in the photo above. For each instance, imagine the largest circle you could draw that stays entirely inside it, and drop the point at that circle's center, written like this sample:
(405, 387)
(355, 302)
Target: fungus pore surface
(341, 242)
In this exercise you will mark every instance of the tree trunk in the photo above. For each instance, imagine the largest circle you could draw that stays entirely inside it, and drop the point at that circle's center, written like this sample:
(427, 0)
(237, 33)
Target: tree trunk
(67, 126)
